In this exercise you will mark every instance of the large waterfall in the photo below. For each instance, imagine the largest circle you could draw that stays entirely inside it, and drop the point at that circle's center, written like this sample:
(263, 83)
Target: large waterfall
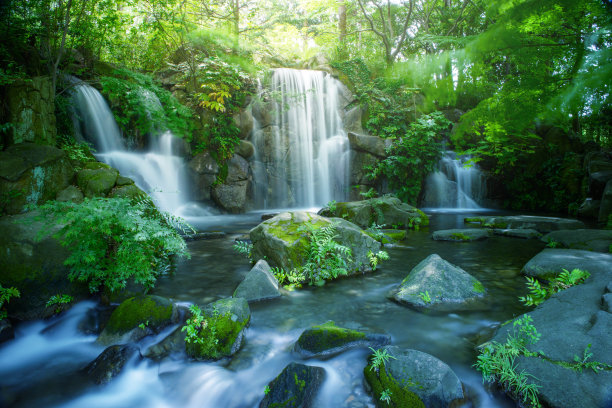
(454, 185)
(302, 154)
(159, 172)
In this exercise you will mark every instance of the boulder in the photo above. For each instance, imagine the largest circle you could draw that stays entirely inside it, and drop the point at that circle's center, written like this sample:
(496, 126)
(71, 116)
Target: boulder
(541, 224)
(229, 318)
(258, 284)
(589, 208)
(264, 112)
(296, 386)
(231, 195)
(245, 149)
(605, 209)
(110, 363)
(71, 194)
(598, 181)
(359, 162)
(352, 120)
(32, 174)
(461, 235)
(369, 144)
(129, 191)
(588, 239)
(96, 179)
(526, 233)
(569, 322)
(596, 166)
(203, 169)
(384, 211)
(415, 379)
(123, 181)
(244, 122)
(283, 243)
(138, 317)
(439, 285)
(327, 340)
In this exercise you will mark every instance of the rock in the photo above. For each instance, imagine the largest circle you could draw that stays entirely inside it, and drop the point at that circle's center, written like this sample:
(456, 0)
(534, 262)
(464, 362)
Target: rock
(352, 120)
(437, 284)
(598, 181)
(326, 340)
(6, 331)
(588, 239)
(258, 284)
(281, 241)
(597, 166)
(32, 174)
(154, 312)
(204, 170)
(345, 95)
(231, 195)
(359, 162)
(109, 364)
(541, 224)
(370, 144)
(204, 163)
(526, 233)
(384, 211)
(244, 122)
(245, 149)
(461, 235)
(35, 267)
(264, 113)
(415, 379)
(129, 191)
(296, 386)
(568, 322)
(71, 194)
(605, 209)
(123, 181)
(96, 179)
(551, 262)
(589, 208)
(393, 235)
(230, 318)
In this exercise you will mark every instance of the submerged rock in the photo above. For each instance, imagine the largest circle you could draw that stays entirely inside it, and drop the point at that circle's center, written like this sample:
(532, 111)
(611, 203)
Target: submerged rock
(296, 386)
(588, 239)
(461, 235)
(384, 211)
(110, 363)
(437, 284)
(258, 284)
(541, 224)
(415, 379)
(327, 339)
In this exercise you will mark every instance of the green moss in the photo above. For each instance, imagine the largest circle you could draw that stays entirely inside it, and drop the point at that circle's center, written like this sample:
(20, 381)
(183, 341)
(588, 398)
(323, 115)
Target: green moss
(424, 218)
(327, 336)
(136, 310)
(459, 236)
(478, 287)
(497, 225)
(474, 220)
(291, 232)
(95, 165)
(396, 235)
(401, 395)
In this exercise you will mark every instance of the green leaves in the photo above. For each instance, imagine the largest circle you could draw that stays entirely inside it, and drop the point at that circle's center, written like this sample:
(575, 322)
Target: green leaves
(5, 295)
(538, 293)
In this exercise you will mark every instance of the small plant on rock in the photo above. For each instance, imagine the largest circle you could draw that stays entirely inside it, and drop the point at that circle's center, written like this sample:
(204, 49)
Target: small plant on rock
(243, 247)
(200, 331)
(376, 258)
(539, 293)
(5, 295)
(385, 396)
(425, 297)
(380, 358)
(332, 206)
(59, 301)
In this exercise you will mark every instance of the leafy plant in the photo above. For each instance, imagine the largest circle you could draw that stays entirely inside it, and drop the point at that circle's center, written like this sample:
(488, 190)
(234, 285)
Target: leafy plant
(266, 390)
(539, 294)
(243, 247)
(385, 396)
(380, 357)
(5, 295)
(144, 325)
(425, 297)
(552, 244)
(376, 258)
(371, 193)
(581, 363)
(59, 301)
(459, 236)
(202, 332)
(112, 240)
(332, 206)
(375, 232)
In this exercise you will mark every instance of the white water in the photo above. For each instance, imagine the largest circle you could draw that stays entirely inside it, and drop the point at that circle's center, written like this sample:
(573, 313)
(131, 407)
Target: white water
(308, 158)
(160, 172)
(454, 185)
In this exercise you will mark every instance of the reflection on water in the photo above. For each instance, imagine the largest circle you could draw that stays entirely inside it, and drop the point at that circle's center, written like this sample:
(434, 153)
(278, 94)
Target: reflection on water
(42, 367)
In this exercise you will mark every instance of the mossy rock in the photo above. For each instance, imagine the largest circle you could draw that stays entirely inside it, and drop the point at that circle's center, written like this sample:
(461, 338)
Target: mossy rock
(327, 339)
(401, 395)
(97, 179)
(226, 321)
(296, 386)
(128, 191)
(153, 312)
(396, 235)
(540, 224)
(461, 235)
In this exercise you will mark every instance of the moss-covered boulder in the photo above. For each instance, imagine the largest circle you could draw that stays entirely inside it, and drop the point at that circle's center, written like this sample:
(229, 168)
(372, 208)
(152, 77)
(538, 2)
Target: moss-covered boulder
(127, 191)
(438, 285)
(327, 339)
(461, 235)
(138, 317)
(283, 241)
(110, 362)
(538, 223)
(226, 320)
(296, 386)
(413, 379)
(97, 179)
(70, 194)
(31, 174)
(258, 284)
(385, 211)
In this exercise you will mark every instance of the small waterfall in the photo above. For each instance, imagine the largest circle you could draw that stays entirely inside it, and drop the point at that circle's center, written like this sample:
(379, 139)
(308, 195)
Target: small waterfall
(159, 172)
(454, 185)
(302, 155)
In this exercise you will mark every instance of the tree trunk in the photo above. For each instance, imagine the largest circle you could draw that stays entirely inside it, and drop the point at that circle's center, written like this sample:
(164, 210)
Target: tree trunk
(341, 21)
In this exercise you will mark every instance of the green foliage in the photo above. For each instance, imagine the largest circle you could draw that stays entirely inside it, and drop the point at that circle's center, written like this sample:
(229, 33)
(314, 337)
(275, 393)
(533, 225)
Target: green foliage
(5, 295)
(266, 390)
(425, 297)
(244, 248)
(375, 232)
(376, 258)
(371, 193)
(201, 331)
(539, 294)
(583, 362)
(332, 206)
(385, 396)
(112, 240)
(290, 280)
(459, 236)
(412, 156)
(379, 358)
(78, 153)
(59, 301)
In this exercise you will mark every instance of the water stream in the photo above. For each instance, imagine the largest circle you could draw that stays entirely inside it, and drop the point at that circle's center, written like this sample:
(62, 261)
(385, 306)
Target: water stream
(42, 367)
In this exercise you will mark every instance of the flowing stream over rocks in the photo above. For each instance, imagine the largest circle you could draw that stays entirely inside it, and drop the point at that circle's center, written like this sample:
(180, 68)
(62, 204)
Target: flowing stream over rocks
(44, 365)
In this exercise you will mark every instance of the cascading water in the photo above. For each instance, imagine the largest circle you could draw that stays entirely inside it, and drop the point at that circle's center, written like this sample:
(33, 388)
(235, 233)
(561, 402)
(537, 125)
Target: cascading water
(302, 157)
(454, 185)
(159, 172)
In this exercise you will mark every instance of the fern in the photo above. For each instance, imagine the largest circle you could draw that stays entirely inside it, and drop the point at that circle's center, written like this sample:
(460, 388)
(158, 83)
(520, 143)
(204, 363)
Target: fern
(539, 294)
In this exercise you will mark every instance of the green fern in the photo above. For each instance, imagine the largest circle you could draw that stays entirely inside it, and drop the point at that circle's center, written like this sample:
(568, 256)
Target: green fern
(539, 294)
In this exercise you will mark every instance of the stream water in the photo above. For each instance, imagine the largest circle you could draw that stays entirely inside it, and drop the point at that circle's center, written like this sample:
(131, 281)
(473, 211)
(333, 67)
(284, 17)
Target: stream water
(43, 365)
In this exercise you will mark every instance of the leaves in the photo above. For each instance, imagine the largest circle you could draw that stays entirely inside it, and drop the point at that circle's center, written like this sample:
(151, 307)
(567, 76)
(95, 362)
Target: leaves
(539, 294)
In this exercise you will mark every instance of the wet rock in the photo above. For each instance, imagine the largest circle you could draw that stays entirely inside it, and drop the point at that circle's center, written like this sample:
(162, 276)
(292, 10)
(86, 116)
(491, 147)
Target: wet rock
(541, 224)
(6, 331)
(589, 208)
(296, 386)
(359, 174)
(526, 233)
(123, 181)
(138, 317)
(369, 144)
(327, 340)
(204, 169)
(244, 122)
(258, 284)
(352, 120)
(598, 181)
(605, 209)
(437, 284)
(415, 379)
(110, 363)
(552, 261)
(231, 195)
(588, 239)
(128, 191)
(245, 149)
(385, 211)
(70, 193)
(461, 235)
(96, 179)
(282, 240)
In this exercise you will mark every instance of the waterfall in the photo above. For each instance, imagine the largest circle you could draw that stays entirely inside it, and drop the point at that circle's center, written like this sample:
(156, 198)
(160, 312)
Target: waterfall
(302, 153)
(454, 185)
(159, 172)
